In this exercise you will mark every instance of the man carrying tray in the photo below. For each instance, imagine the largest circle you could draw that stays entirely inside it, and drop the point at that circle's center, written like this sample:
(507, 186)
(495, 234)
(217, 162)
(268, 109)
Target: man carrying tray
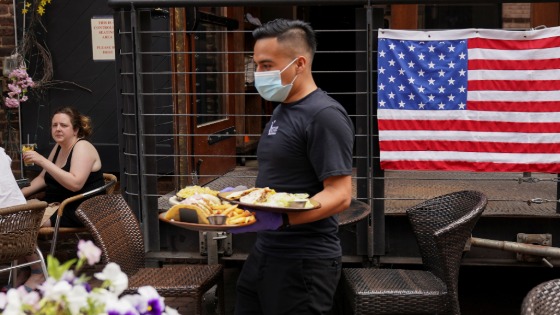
(306, 147)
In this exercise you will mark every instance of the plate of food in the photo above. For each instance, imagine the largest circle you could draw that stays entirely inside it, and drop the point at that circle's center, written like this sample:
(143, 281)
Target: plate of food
(190, 191)
(202, 226)
(269, 200)
(208, 214)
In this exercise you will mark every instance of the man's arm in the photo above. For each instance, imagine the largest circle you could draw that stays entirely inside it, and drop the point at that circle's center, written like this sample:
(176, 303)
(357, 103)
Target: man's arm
(334, 198)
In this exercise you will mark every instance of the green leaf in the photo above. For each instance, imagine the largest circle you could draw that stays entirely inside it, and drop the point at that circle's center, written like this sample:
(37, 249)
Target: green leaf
(55, 269)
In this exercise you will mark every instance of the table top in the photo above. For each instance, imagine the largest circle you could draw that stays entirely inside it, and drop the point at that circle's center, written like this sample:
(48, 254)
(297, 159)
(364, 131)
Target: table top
(357, 211)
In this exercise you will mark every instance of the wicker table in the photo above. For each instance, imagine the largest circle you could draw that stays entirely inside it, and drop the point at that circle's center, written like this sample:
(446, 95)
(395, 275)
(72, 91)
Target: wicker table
(357, 211)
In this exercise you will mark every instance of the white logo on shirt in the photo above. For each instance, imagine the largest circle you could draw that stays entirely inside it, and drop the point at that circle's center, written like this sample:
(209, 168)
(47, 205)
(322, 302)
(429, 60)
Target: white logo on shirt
(272, 131)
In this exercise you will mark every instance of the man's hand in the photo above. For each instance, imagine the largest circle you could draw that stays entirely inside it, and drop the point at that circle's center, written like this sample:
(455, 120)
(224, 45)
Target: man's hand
(266, 221)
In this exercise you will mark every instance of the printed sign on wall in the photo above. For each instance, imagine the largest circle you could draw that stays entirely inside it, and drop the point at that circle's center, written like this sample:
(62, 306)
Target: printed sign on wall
(102, 38)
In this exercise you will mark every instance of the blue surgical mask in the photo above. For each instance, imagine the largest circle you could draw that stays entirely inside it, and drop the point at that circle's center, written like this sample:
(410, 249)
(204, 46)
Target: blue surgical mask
(269, 84)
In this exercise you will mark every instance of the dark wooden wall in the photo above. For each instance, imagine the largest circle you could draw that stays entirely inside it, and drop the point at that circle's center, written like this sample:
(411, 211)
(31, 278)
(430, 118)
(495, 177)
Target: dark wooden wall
(86, 84)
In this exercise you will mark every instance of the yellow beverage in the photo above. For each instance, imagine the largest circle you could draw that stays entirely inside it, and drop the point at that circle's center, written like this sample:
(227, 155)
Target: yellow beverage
(28, 147)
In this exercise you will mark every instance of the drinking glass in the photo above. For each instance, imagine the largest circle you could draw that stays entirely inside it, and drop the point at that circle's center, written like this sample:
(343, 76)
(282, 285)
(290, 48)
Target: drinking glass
(28, 147)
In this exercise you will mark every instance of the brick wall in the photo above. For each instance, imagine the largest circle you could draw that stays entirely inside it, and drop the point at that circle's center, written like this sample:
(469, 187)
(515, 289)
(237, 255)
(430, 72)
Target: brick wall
(516, 15)
(7, 46)
(7, 35)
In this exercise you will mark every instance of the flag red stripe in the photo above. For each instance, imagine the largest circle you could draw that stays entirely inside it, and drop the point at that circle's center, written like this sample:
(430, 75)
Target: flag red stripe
(468, 146)
(468, 125)
(463, 134)
(513, 85)
(488, 64)
(542, 106)
(471, 166)
(549, 42)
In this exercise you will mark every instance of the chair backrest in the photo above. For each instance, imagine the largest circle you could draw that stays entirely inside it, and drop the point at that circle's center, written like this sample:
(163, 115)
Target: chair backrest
(115, 229)
(543, 299)
(108, 187)
(442, 226)
(110, 179)
(18, 229)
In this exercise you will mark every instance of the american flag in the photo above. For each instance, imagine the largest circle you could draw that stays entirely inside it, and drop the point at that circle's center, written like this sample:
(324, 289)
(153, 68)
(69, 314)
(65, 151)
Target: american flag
(469, 100)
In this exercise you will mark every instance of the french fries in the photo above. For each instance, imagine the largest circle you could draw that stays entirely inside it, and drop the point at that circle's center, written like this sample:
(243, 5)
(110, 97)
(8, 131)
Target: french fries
(240, 216)
(235, 216)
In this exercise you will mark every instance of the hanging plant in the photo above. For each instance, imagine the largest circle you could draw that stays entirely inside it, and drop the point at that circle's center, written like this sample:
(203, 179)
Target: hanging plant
(20, 83)
(33, 46)
(18, 87)
(40, 6)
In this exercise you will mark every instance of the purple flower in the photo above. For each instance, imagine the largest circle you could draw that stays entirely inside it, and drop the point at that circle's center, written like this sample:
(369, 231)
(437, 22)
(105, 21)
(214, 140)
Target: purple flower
(155, 302)
(71, 294)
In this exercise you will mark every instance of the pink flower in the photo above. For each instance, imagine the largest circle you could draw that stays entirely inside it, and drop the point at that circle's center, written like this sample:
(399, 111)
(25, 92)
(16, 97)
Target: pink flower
(11, 102)
(20, 81)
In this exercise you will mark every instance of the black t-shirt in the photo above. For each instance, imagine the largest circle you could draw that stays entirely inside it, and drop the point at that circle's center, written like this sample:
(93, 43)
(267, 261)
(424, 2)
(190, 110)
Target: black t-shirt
(304, 143)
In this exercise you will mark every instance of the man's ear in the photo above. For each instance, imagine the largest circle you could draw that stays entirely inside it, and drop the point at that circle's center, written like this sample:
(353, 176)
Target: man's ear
(301, 64)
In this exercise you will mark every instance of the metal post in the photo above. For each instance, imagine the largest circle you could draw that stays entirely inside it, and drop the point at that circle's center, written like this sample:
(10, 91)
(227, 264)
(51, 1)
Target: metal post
(558, 193)
(144, 111)
(19, 110)
(378, 185)
(139, 115)
(362, 147)
(529, 249)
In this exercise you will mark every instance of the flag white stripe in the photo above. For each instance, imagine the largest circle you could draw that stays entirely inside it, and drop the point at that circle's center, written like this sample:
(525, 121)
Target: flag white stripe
(513, 74)
(525, 99)
(510, 137)
(526, 158)
(468, 33)
(513, 55)
(538, 117)
(513, 96)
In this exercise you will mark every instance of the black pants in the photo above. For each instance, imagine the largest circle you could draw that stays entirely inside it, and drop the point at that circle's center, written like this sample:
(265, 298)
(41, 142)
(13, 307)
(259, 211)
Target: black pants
(271, 285)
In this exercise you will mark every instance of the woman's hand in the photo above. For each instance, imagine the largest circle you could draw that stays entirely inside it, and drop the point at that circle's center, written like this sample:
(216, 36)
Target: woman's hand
(33, 157)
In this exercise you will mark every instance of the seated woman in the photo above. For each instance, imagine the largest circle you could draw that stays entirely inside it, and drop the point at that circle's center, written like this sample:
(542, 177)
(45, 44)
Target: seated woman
(73, 167)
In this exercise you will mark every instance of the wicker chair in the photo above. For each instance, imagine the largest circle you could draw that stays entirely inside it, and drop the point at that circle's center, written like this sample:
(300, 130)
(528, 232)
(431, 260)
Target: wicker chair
(18, 235)
(544, 299)
(442, 226)
(116, 231)
(53, 232)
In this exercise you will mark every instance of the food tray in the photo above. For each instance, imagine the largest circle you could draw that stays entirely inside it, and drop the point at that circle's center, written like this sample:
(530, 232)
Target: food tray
(249, 206)
(201, 226)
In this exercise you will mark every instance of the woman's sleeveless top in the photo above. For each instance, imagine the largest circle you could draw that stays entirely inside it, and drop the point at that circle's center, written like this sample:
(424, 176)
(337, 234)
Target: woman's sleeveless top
(55, 192)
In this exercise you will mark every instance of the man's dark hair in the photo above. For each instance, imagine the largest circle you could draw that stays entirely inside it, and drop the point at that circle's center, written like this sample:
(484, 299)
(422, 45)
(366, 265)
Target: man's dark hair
(295, 31)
